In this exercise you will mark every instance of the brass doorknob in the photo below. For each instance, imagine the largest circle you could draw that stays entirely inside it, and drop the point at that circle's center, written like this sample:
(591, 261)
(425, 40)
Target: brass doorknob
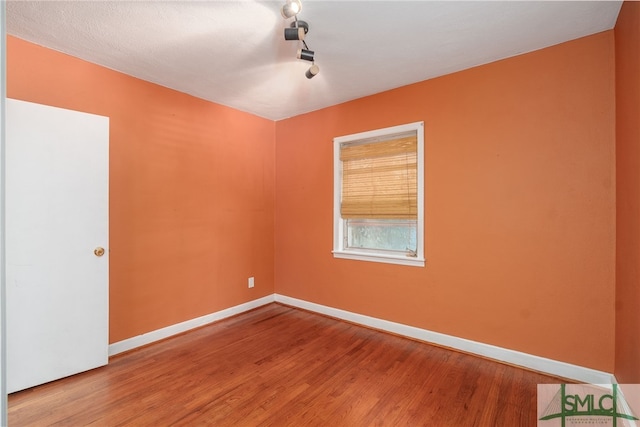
(98, 251)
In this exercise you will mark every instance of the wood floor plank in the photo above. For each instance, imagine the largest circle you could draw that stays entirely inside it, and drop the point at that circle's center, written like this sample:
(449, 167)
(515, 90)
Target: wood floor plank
(281, 366)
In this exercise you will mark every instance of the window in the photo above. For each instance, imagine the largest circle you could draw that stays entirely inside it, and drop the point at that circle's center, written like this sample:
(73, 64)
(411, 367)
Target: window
(379, 195)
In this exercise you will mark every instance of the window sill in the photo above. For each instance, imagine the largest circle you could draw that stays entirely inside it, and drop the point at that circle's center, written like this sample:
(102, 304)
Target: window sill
(384, 258)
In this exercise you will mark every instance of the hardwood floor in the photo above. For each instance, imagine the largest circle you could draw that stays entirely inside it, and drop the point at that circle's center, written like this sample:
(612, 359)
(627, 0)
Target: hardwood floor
(281, 366)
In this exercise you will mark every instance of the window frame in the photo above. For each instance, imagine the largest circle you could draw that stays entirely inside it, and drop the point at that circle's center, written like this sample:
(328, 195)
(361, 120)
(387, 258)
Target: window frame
(373, 255)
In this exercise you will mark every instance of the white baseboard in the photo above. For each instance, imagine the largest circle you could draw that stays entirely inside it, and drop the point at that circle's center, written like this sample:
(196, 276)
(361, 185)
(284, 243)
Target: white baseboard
(159, 334)
(536, 363)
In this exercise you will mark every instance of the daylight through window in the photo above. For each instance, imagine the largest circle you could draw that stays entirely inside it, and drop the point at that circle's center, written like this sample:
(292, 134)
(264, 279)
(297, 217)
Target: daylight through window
(379, 195)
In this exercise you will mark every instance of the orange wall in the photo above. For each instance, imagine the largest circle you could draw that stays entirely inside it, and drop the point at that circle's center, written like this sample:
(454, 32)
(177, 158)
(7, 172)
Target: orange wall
(520, 200)
(627, 45)
(520, 205)
(191, 190)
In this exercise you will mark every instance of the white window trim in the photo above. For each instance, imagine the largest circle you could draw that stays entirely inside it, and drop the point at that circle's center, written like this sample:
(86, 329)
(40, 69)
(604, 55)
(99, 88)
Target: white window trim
(339, 251)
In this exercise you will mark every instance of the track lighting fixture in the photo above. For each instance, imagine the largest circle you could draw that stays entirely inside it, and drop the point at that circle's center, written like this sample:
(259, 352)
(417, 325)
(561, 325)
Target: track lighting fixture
(291, 8)
(297, 31)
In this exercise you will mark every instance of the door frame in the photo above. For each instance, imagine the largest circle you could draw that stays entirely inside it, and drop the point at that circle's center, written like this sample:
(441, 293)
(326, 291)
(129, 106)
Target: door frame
(3, 299)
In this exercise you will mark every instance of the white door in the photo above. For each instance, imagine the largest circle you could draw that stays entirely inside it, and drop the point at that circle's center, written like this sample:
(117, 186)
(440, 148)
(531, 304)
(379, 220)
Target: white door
(57, 288)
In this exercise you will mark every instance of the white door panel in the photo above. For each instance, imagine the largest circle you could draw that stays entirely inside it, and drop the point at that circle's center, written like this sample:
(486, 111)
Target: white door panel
(56, 215)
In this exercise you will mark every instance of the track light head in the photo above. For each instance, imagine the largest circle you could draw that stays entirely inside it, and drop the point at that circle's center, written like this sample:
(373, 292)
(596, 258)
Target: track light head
(294, 33)
(297, 31)
(306, 54)
(312, 71)
(291, 8)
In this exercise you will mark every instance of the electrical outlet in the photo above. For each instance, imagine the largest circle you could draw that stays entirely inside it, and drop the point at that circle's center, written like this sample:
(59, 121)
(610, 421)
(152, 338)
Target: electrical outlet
(251, 282)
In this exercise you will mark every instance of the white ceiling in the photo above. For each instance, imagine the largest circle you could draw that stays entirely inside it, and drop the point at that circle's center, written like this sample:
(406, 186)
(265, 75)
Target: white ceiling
(234, 53)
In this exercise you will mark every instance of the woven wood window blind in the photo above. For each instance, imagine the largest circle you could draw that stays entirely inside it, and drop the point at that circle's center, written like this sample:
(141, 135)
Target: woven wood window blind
(379, 179)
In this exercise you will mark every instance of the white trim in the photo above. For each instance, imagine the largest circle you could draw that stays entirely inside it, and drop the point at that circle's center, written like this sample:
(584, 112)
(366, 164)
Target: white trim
(536, 363)
(529, 361)
(388, 259)
(4, 408)
(159, 334)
